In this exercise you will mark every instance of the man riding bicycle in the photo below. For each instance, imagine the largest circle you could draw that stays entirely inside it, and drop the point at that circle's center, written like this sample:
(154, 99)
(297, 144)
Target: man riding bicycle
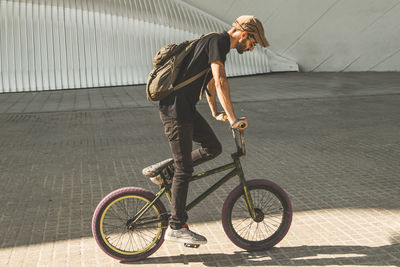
(183, 124)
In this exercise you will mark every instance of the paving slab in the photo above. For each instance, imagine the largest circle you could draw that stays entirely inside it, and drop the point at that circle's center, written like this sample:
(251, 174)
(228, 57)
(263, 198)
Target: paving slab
(334, 149)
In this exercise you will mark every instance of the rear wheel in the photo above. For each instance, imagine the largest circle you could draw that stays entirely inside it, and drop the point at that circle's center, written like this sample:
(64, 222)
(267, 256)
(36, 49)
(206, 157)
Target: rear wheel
(271, 223)
(114, 231)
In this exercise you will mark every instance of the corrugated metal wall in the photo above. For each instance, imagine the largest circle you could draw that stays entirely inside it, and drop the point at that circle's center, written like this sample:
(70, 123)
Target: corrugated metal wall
(324, 35)
(60, 44)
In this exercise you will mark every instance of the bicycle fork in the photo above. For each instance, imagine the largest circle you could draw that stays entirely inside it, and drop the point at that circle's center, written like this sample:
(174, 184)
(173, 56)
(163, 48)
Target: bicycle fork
(247, 196)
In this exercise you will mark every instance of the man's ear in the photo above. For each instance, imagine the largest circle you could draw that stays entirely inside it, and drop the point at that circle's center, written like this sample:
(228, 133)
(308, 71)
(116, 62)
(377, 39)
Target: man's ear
(243, 35)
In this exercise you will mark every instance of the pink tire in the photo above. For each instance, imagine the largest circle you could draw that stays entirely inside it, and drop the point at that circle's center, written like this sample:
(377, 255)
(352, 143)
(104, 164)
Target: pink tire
(273, 220)
(115, 235)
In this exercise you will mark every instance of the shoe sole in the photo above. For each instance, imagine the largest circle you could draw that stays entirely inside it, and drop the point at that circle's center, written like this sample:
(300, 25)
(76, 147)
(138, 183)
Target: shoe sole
(189, 241)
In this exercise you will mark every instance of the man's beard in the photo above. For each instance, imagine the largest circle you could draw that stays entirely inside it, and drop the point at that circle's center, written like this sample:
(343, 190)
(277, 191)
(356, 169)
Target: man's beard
(241, 47)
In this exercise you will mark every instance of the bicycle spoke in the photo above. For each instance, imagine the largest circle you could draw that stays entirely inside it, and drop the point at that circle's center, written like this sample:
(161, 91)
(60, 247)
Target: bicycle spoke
(268, 208)
(262, 199)
(237, 225)
(126, 209)
(245, 228)
(122, 243)
(116, 238)
(249, 228)
(274, 219)
(147, 227)
(139, 238)
(240, 231)
(267, 201)
(116, 214)
(272, 211)
(136, 246)
(114, 225)
(113, 229)
(145, 237)
(242, 221)
(131, 241)
(268, 227)
(122, 207)
(262, 234)
(136, 206)
(243, 205)
(255, 231)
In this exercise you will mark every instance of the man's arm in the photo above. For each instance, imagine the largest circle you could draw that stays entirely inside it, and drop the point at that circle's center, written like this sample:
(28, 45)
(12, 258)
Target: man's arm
(219, 116)
(221, 87)
(211, 98)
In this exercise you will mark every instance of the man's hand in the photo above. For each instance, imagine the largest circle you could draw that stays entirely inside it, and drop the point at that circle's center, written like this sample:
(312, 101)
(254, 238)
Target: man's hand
(221, 116)
(240, 123)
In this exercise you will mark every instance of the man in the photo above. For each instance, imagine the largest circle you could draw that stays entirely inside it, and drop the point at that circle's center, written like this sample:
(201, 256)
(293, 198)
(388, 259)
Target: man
(184, 125)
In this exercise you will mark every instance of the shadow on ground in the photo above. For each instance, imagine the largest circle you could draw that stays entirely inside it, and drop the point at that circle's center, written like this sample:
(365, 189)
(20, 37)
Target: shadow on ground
(292, 256)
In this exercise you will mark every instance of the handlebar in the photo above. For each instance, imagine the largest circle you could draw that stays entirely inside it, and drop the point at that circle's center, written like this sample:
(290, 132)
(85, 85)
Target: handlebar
(240, 145)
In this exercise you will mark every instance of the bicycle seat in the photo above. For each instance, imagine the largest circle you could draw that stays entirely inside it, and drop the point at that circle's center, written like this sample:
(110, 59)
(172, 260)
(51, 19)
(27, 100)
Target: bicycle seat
(155, 169)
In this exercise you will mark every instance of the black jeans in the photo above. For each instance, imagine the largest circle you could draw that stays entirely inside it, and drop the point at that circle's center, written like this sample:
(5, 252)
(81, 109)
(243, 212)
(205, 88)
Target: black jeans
(180, 136)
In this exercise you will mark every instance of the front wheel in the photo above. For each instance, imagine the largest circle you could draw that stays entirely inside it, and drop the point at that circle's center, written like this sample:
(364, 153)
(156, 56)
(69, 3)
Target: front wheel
(272, 221)
(115, 232)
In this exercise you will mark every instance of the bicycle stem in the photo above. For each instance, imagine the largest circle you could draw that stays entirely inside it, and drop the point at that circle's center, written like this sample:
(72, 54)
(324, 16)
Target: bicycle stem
(240, 147)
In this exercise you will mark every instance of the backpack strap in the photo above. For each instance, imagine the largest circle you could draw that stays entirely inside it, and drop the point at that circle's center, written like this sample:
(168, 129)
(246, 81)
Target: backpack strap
(198, 75)
(204, 86)
(191, 79)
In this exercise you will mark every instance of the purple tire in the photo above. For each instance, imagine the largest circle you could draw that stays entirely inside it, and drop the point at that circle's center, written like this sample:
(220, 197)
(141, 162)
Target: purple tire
(122, 240)
(273, 210)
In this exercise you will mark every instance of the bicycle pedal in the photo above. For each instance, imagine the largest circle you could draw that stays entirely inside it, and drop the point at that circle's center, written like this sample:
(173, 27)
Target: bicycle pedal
(188, 245)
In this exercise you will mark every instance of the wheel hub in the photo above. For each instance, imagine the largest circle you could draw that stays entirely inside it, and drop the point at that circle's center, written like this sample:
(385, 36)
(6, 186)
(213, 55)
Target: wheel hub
(129, 225)
(259, 215)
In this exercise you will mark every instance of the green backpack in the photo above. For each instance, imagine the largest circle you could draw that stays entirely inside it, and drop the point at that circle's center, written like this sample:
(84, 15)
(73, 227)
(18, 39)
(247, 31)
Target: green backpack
(167, 63)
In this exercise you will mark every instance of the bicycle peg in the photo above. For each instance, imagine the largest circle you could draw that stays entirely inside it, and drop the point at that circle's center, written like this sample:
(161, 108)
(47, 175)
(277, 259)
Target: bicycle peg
(188, 245)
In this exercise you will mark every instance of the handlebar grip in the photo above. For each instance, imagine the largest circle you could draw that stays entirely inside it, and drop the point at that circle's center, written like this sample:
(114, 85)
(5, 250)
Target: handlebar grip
(241, 125)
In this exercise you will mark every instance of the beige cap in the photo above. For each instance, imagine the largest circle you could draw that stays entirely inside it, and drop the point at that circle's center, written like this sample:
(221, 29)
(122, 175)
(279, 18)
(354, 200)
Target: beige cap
(253, 26)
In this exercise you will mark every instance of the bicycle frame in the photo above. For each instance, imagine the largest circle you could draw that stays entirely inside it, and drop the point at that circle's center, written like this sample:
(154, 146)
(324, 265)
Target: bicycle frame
(237, 170)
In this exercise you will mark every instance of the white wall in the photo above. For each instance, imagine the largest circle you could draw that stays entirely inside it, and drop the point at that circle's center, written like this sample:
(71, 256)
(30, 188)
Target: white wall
(47, 45)
(324, 35)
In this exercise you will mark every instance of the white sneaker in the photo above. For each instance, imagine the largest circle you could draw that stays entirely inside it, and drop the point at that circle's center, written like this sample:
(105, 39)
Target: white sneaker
(157, 180)
(157, 170)
(184, 235)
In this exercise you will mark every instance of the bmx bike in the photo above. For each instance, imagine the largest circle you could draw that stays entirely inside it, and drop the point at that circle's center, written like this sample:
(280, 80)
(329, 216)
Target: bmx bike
(129, 224)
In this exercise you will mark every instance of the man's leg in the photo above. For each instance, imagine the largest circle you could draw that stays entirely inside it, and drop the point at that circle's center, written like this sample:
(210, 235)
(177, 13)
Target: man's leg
(180, 136)
(205, 136)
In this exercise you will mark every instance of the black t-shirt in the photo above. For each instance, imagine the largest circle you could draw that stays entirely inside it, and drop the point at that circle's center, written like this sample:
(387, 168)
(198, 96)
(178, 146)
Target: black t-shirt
(181, 104)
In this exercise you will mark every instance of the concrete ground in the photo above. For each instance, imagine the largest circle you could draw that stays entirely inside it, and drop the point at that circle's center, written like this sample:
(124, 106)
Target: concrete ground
(331, 140)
